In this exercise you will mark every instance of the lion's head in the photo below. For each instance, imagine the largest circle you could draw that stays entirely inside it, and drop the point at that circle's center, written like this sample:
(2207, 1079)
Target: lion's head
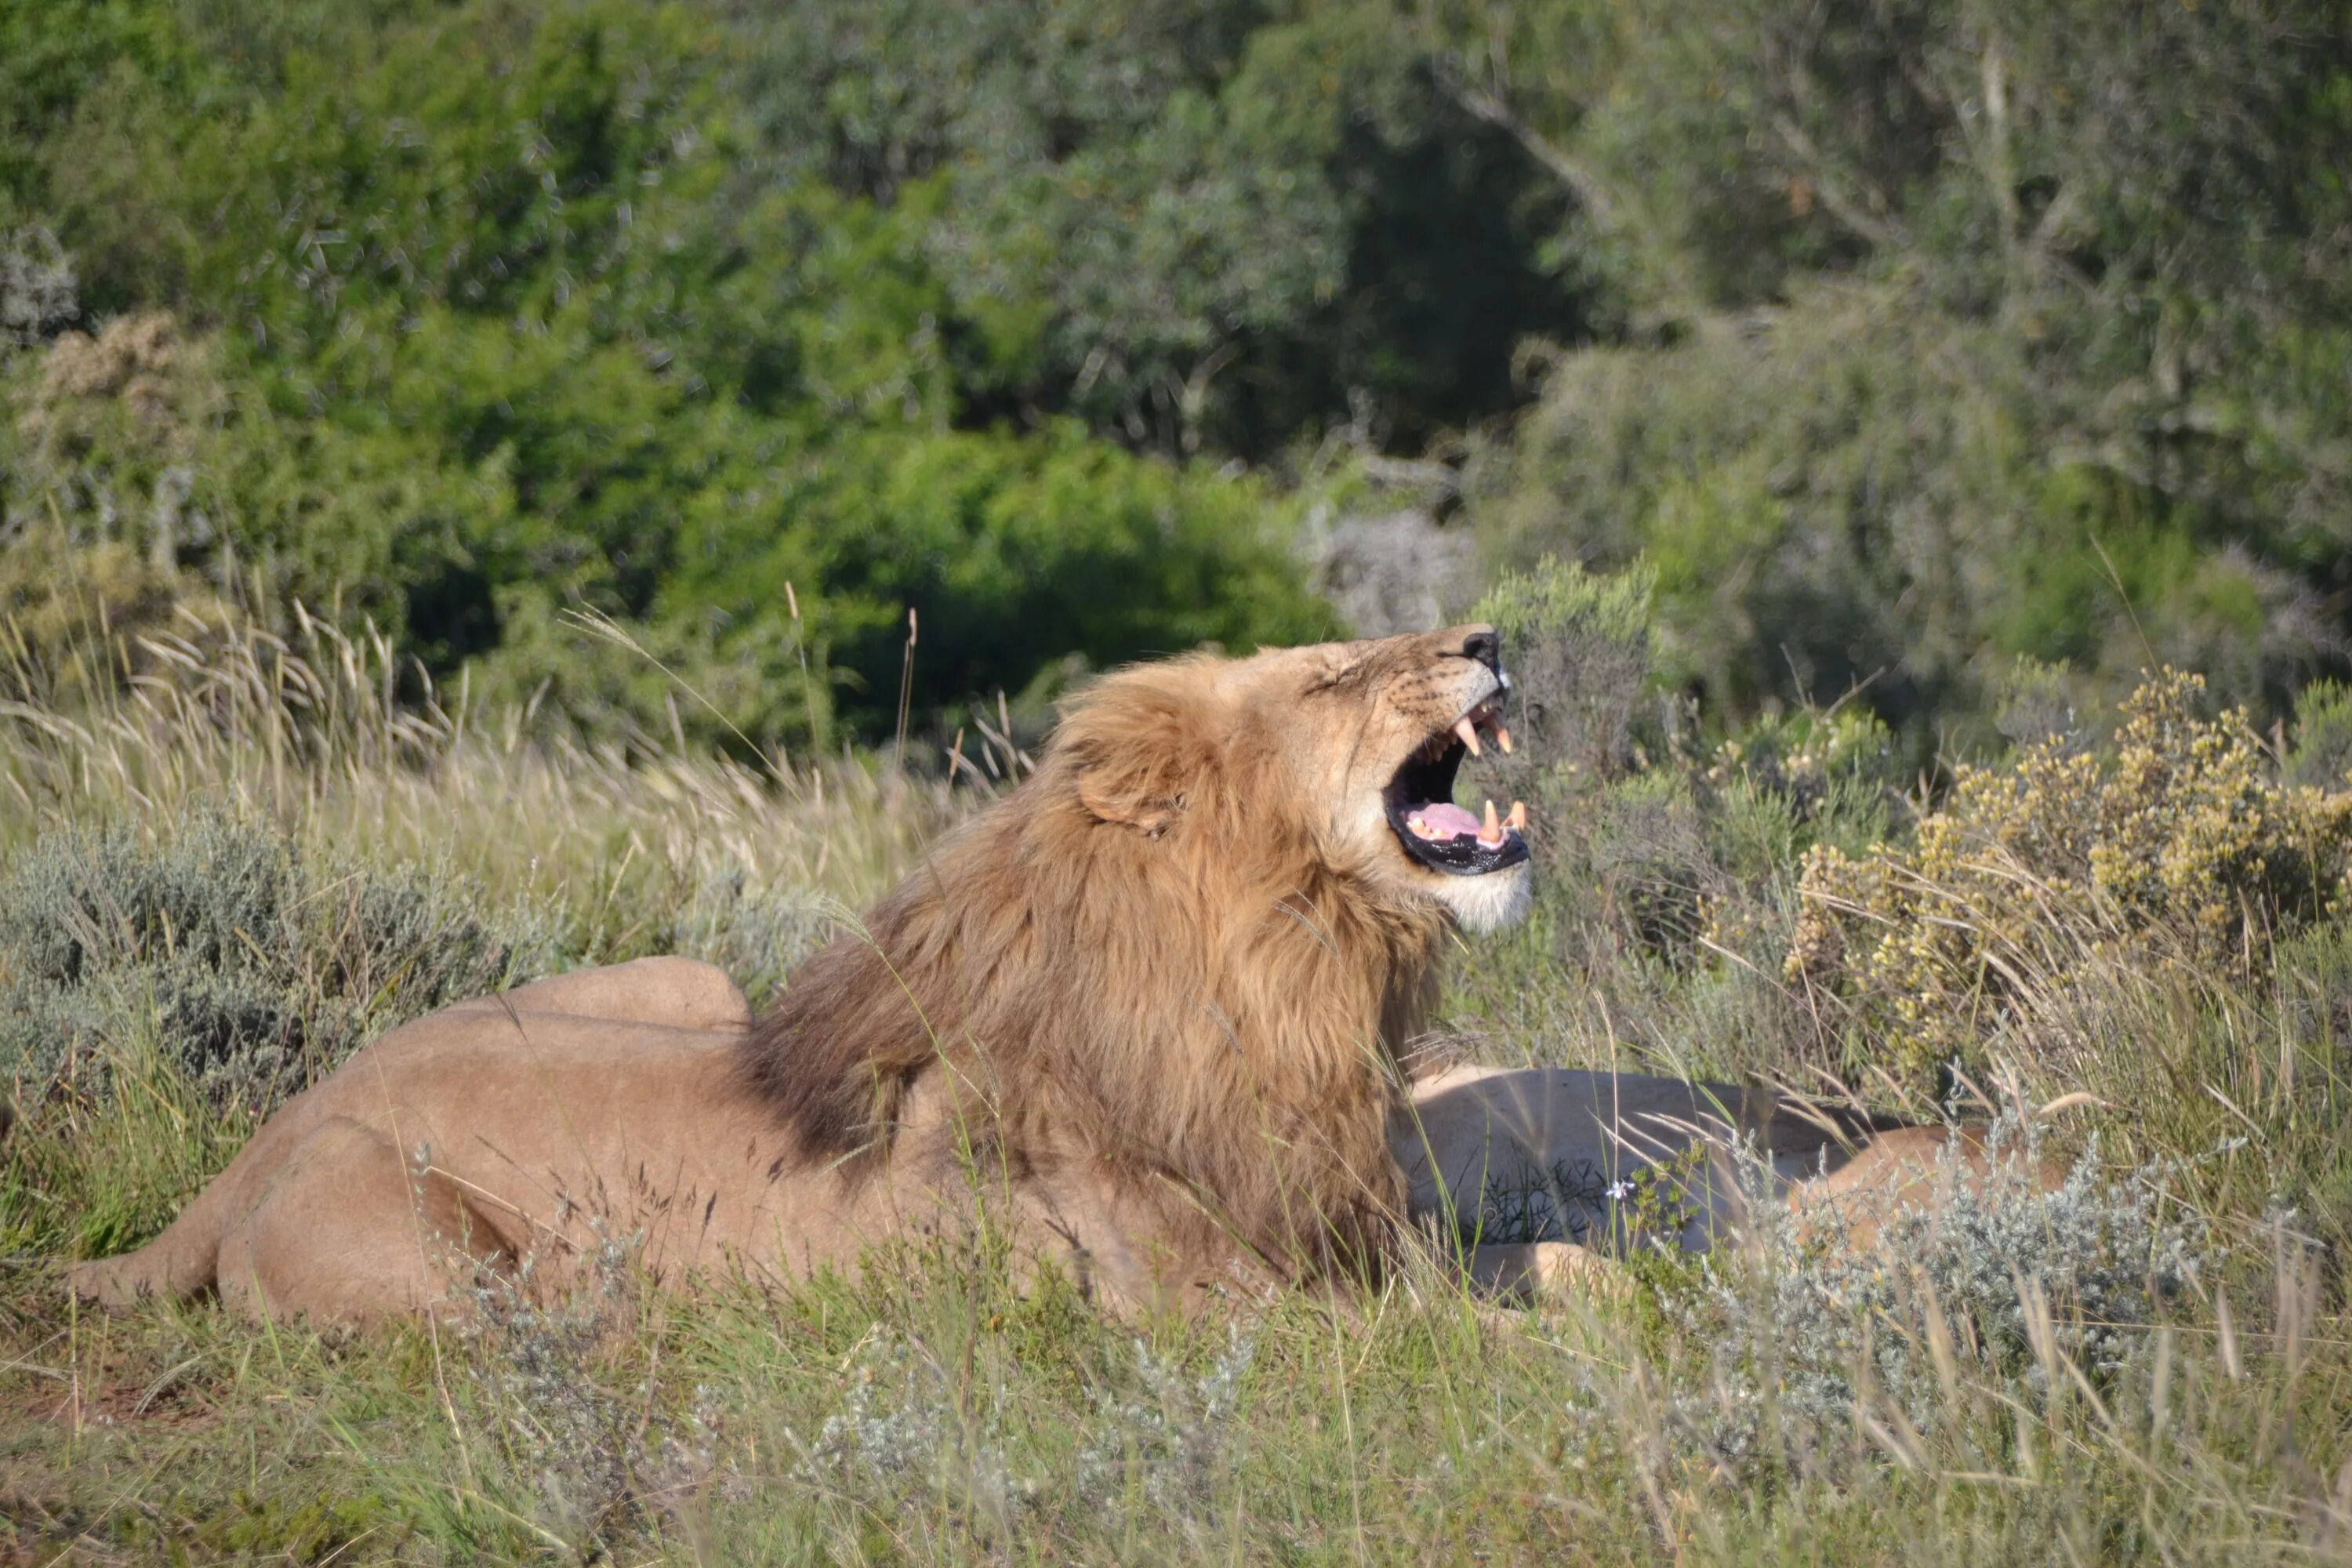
(1346, 754)
(1184, 953)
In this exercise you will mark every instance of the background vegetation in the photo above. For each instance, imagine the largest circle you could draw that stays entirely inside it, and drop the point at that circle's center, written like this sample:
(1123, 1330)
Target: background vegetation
(1901, 340)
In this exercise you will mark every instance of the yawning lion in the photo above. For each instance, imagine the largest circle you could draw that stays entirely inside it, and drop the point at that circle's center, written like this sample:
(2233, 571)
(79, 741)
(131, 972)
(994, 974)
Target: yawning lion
(1150, 1001)
(1146, 1009)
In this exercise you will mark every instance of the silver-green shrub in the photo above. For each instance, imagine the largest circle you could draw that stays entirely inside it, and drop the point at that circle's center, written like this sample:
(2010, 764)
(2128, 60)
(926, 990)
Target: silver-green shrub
(1998, 1287)
(904, 1434)
(254, 966)
(39, 290)
(1174, 1439)
(755, 930)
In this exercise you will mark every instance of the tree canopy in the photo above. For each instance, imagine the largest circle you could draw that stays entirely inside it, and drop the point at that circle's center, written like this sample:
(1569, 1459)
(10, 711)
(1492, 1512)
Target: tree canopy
(1903, 339)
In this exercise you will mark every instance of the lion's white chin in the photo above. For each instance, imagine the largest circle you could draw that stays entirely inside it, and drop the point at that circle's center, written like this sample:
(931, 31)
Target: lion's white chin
(1493, 902)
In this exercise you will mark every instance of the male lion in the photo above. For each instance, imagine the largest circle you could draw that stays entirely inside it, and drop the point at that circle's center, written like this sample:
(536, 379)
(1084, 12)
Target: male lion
(1147, 1006)
(1150, 1001)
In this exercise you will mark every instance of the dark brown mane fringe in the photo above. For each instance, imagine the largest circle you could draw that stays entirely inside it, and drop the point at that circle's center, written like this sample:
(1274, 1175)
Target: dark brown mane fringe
(835, 1055)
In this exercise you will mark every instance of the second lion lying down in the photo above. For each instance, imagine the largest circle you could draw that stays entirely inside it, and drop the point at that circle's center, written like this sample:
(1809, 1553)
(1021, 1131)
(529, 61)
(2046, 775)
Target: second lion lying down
(1151, 1002)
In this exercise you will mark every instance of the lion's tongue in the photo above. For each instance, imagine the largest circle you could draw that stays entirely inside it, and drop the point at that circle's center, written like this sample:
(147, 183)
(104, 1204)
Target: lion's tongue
(1448, 821)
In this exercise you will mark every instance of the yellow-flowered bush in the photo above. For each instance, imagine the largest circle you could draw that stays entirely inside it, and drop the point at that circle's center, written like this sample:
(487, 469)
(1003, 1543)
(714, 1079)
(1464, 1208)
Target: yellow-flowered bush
(2183, 846)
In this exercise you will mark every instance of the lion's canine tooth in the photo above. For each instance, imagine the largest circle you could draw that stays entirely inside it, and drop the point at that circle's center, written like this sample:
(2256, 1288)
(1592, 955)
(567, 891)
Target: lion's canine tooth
(1502, 738)
(1517, 820)
(1492, 833)
(1469, 735)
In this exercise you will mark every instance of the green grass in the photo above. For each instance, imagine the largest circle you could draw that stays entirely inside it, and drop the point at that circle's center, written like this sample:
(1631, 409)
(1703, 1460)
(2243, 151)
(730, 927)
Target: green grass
(1775, 1405)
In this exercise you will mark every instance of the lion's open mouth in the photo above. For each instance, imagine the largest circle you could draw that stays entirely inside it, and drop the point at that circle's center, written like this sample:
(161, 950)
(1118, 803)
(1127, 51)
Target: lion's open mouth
(1422, 813)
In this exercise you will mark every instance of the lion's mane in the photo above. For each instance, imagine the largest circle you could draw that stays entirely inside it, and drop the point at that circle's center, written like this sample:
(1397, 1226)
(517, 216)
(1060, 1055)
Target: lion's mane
(1138, 968)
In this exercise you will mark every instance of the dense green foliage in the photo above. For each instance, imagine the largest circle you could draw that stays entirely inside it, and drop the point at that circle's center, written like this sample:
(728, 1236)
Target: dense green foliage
(487, 310)
(1977, 331)
(1903, 340)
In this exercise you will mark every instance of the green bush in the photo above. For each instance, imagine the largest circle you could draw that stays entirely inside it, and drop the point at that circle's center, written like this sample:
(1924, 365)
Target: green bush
(1959, 333)
(1665, 885)
(1843, 499)
(752, 332)
(2005, 1284)
(1579, 645)
(1899, 342)
(257, 969)
(2321, 757)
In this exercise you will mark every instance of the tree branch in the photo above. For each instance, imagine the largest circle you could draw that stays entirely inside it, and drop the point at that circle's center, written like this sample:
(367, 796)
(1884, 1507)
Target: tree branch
(1591, 194)
(1884, 232)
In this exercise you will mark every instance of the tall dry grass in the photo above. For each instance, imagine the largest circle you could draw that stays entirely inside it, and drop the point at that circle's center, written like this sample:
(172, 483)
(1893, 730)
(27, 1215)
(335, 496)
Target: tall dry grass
(329, 736)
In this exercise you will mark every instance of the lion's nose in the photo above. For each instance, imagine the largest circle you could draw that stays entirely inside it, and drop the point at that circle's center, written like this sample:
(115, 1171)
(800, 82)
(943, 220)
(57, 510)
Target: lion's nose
(1484, 645)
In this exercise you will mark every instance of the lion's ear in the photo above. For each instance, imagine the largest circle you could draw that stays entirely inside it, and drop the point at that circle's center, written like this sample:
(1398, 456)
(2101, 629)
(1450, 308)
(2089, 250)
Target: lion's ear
(1140, 759)
(1131, 797)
